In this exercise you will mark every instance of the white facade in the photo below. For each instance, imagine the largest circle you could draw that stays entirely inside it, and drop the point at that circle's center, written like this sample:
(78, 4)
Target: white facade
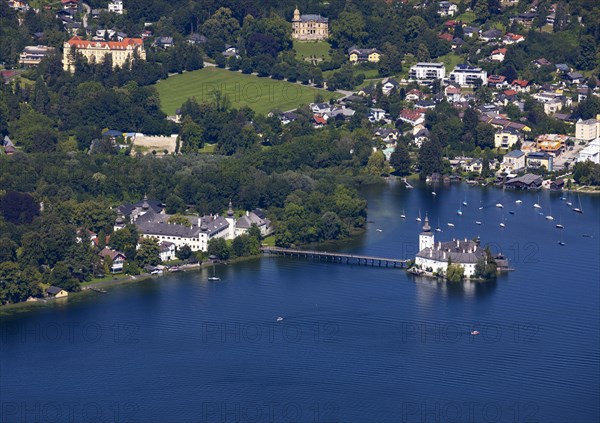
(587, 130)
(466, 75)
(427, 71)
(591, 152)
(116, 6)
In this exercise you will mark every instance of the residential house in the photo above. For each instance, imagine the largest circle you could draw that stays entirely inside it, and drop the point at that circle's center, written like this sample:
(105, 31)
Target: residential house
(163, 42)
(230, 51)
(425, 104)
(387, 135)
(498, 55)
(525, 19)
(319, 121)
(471, 31)
(288, 117)
(56, 292)
(507, 137)
(362, 55)
(587, 130)
(539, 159)
(167, 251)
(446, 8)
(466, 75)
(117, 259)
(491, 35)
(497, 81)
(525, 182)
(72, 5)
(446, 37)
(520, 85)
(414, 95)
(557, 185)
(591, 152)
(376, 115)
(9, 147)
(412, 116)
(420, 135)
(427, 71)
(574, 77)
(320, 108)
(389, 85)
(582, 93)
(453, 93)
(18, 5)
(513, 161)
(116, 6)
(33, 55)
(552, 102)
(511, 38)
(562, 68)
(367, 91)
(197, 39)
(541, 62)
(474, 166)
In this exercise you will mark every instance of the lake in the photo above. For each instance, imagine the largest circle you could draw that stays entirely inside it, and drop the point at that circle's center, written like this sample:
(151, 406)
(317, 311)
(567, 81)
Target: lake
(357, 343)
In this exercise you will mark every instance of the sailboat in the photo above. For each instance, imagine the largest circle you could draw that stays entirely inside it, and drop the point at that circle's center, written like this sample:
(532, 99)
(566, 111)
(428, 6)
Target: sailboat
(499, 205)
(502, 225)
(578, 209)
(518, 202)
(438, 229)
(451, 224)
(418, 219)
(464, 203)
(402, 216)
(433, 193)
(214, 278)
(550, 217)
(459, 211)
(559, 225)
(537, 205)
(561, 242)
(477, 222)
(569, 203)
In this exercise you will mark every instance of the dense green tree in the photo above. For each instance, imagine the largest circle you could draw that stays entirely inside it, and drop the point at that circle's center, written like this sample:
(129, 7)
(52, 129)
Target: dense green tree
(218, 247)
(148, 252)
(430, 158)
(400, 159)
(18, 208)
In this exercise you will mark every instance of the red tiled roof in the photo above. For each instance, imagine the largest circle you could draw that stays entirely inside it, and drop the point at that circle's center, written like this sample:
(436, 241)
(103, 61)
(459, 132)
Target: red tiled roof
(494, 79)
(446, 36)
(520, 82)
(320, 119)
(509, 92)
(412, 115)
(111, 45)
(500, 50)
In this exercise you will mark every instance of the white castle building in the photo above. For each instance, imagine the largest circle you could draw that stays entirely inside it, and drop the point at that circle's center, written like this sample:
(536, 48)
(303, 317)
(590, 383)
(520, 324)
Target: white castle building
(152, 222)
(434, 257)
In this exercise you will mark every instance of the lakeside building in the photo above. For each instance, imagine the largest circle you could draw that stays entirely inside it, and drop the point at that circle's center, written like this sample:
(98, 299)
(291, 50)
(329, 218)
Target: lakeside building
(152, 222)
(434, 257)
(591, 152)
(120, 51)
(538, 159)
(309, 27)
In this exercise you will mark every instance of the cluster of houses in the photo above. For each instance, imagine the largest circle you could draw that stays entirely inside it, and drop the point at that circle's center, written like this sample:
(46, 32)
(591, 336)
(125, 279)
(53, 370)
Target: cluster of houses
(152, 221)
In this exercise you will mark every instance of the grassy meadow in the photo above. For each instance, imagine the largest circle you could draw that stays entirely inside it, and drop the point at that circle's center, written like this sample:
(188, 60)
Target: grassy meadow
(260, 94)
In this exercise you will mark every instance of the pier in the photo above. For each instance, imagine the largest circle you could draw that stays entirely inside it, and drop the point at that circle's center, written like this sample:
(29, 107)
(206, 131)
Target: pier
(336, 257)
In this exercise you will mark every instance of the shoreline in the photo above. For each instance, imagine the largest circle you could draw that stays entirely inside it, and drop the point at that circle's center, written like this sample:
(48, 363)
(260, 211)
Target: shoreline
(86, 290)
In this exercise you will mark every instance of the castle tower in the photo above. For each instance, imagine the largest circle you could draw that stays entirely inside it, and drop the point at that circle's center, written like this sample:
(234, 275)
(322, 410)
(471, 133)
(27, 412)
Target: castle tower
(426, 238)
(296, 15)
(231, 220)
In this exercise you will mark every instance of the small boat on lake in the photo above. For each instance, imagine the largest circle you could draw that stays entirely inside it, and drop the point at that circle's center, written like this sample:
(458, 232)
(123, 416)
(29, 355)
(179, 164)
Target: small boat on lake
(518, 202)
(502, 225)
(451, 224)
(477, 222)
(214, 278)
(475, 332)
(418, 219)
(279, 319)
(499, 205)
(402, 216)
(578, 209)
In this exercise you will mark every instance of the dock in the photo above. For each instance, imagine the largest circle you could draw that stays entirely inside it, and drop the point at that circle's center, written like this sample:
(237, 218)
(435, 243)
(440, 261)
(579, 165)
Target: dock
(406, 183)
(98, 290)
(344, 258)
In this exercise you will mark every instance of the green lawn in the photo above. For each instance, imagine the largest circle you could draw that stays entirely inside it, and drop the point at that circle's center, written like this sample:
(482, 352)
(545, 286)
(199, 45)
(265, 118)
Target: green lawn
(260, 94)
(466, 17)
(450, 61)
(312, 48)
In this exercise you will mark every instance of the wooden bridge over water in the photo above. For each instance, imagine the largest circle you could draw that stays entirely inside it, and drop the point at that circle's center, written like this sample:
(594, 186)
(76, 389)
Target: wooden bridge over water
(336, 257)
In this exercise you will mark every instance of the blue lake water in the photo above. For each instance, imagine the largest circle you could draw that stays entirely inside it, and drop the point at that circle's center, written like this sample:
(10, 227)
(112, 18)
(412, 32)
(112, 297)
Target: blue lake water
(357, 343)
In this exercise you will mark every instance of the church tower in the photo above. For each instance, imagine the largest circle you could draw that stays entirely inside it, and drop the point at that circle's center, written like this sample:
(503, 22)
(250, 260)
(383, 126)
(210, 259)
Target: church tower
(426, 237)
(231, 220)
(296, 15)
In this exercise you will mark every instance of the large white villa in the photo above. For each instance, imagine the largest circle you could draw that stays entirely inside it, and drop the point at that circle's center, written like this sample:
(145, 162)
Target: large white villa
(152, 222)
(434, 257)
